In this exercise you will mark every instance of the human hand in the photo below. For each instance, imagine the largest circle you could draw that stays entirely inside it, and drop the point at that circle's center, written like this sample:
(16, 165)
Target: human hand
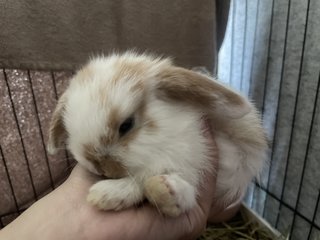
(65, 214)
(144, 222)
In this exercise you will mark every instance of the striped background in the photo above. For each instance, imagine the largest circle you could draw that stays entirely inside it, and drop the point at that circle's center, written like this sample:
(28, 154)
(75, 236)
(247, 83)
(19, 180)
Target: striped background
(272, 53)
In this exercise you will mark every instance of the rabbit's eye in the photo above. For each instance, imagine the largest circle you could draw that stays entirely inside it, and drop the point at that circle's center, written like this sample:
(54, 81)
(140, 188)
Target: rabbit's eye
(126, 126)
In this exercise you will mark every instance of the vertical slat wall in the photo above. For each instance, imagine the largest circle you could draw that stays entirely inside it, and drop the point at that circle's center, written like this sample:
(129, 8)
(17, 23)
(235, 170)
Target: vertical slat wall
(27, 99)
(272, 54)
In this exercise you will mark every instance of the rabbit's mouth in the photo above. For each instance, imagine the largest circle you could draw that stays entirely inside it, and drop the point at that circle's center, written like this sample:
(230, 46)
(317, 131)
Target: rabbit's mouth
(105, 165)
(113, 169)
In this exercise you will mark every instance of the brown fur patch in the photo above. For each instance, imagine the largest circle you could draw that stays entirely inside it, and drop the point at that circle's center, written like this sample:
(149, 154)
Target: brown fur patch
(113, 122)
(181, 84)
(243, 127)
(150, 123)
(139, 86)
(125, 69)
(57, 130)
(112, 168)
(104, 164)
(159, 193)
(89, 153)
(105, 140)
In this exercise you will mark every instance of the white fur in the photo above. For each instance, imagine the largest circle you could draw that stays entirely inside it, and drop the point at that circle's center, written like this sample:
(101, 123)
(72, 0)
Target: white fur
(115, 194)
(176, 148)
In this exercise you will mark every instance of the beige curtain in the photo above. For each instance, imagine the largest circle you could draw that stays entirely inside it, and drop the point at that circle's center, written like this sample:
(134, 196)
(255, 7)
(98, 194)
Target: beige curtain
(63, 34)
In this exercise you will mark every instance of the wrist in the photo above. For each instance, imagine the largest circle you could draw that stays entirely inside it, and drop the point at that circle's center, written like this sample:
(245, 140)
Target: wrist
(45, 219)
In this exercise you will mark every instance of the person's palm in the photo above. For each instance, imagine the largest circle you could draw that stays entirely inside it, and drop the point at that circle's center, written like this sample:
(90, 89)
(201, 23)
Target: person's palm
(143, 222)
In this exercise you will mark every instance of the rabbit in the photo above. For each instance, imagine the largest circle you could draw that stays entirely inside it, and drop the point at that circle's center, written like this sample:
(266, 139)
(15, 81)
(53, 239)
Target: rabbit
(136, 120)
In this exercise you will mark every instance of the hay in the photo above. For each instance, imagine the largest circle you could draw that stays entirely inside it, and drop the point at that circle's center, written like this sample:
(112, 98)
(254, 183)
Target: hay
(237, 228)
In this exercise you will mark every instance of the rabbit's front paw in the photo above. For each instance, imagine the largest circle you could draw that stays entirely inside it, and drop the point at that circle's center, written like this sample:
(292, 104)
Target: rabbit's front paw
(114, 194)
(170, 194)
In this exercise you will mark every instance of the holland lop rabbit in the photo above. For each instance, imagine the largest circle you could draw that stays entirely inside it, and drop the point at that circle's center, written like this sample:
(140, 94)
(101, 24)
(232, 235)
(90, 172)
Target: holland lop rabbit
(136, 119)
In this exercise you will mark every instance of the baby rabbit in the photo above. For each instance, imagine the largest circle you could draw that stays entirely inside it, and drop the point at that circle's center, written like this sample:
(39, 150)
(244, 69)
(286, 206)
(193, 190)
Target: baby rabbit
(136, 119)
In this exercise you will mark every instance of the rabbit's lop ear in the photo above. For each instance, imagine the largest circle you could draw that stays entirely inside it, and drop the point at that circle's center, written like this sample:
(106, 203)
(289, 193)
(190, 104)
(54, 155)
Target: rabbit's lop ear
(179, 84)
(57, 131)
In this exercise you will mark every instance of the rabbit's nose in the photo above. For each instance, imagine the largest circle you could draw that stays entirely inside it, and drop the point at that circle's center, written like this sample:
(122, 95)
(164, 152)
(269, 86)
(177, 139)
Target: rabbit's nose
(112, 167)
